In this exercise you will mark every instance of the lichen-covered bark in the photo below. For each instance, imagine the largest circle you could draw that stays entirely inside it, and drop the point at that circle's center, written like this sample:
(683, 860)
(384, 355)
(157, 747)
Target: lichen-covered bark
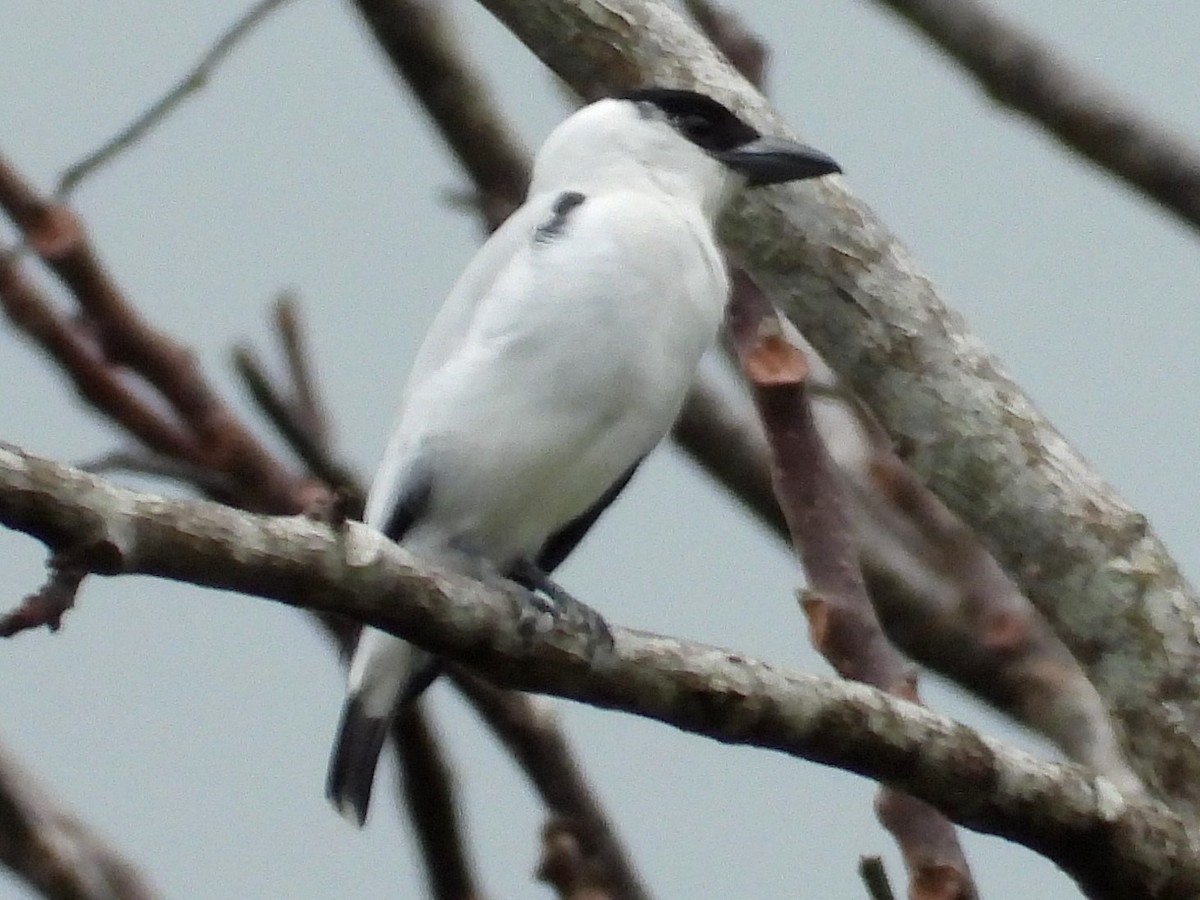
(1088, 561)
(1116, 846)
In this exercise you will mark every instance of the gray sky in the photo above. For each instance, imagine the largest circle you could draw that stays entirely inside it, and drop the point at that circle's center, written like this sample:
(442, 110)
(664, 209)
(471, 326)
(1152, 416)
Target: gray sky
(193, 727)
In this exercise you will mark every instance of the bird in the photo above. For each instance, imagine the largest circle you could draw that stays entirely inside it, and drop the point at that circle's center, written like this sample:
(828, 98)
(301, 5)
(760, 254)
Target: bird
(560, 358)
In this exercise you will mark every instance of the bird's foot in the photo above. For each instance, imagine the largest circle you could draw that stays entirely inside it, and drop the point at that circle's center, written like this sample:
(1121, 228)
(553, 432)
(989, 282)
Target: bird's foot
(548, 600)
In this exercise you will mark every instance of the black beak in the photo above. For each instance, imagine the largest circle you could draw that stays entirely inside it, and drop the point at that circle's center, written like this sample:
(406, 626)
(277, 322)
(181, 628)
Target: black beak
(772, 160)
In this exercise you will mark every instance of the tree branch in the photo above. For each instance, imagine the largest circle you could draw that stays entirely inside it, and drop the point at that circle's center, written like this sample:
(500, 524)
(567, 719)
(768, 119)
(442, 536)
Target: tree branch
(842, 622)
(1115, 846)
(154, 115)
(1029, 76)
(424, 49)
(53, 851)
(429, 795)
(1080, 553)
(530, 731)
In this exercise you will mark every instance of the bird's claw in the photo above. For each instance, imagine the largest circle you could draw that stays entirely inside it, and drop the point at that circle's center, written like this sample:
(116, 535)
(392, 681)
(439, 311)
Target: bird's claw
(548, 601)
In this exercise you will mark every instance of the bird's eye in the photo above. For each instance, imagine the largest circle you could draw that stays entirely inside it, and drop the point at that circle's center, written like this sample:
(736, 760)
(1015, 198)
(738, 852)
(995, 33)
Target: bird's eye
(695, 127)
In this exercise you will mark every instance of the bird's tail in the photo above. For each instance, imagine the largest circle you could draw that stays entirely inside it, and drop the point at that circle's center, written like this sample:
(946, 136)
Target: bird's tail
(355, 755)
(384, 673)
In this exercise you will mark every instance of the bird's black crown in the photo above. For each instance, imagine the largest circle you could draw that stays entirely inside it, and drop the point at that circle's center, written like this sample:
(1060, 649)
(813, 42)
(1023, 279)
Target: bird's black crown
(698, 117)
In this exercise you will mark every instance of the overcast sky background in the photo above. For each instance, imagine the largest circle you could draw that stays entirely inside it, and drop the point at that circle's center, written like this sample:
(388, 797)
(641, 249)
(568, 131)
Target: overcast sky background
(193, 727)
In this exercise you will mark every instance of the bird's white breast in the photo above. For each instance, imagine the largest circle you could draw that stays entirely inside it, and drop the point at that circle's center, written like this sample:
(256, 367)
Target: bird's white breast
(573, 366)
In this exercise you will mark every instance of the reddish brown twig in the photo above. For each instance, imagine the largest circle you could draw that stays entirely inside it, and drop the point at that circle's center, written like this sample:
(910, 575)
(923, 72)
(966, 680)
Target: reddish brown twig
(842, 622)
(45, 606)
(1030, 77)
(565, 867)
(131, 372)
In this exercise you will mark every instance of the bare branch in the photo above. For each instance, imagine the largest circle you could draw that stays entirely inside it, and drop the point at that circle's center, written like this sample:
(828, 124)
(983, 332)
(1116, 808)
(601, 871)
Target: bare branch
(45, 606)
(127, 369)
(530, 731)
(1030, 77)
(429, 796)
(1115, 846)
(1081, 554)
(158, 111)
(145, 462)
(306, 398)
(295, 427)
(53, 851)
(424, 49)
(842, 622)
(874, 876)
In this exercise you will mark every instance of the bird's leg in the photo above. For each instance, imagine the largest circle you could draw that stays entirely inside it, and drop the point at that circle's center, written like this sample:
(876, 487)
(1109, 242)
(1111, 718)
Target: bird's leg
(550, 598)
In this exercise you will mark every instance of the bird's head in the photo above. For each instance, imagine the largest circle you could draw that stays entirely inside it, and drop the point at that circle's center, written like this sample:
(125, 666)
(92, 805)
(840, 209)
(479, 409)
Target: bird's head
(683, 140)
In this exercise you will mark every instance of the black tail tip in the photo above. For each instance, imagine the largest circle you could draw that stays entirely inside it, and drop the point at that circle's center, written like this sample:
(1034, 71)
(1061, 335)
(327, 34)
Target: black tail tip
(352, 766)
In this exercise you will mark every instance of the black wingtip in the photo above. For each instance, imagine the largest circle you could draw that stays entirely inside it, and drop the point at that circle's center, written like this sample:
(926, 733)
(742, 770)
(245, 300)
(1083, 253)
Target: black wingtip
(352, 765)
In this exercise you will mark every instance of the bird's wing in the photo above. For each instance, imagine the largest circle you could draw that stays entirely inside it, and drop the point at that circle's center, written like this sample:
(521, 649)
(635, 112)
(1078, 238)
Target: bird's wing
(565, 355)
(563, 542)
(394, 487)
(453, 320)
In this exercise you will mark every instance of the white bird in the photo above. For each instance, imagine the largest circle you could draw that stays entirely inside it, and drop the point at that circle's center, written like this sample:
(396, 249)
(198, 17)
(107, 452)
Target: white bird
(559, 360)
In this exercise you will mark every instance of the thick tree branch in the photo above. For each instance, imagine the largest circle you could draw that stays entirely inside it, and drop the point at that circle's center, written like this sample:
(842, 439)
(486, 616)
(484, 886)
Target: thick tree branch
(1030, 77)
(53, 851)
(1084, 557)
(1115, 846)
(945, 615)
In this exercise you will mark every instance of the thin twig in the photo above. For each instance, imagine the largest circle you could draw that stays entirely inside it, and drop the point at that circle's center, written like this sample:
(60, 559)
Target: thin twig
(292, 426)
(289, 325)
(139, 461)
(874, 876)
(195, 79)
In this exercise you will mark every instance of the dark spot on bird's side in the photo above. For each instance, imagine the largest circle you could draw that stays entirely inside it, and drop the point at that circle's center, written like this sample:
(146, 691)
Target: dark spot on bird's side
(556, 225)
(698, 117)
(411, 503)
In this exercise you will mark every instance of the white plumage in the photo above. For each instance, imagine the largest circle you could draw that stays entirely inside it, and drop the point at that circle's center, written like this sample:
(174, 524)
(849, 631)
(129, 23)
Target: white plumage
(559, 360)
